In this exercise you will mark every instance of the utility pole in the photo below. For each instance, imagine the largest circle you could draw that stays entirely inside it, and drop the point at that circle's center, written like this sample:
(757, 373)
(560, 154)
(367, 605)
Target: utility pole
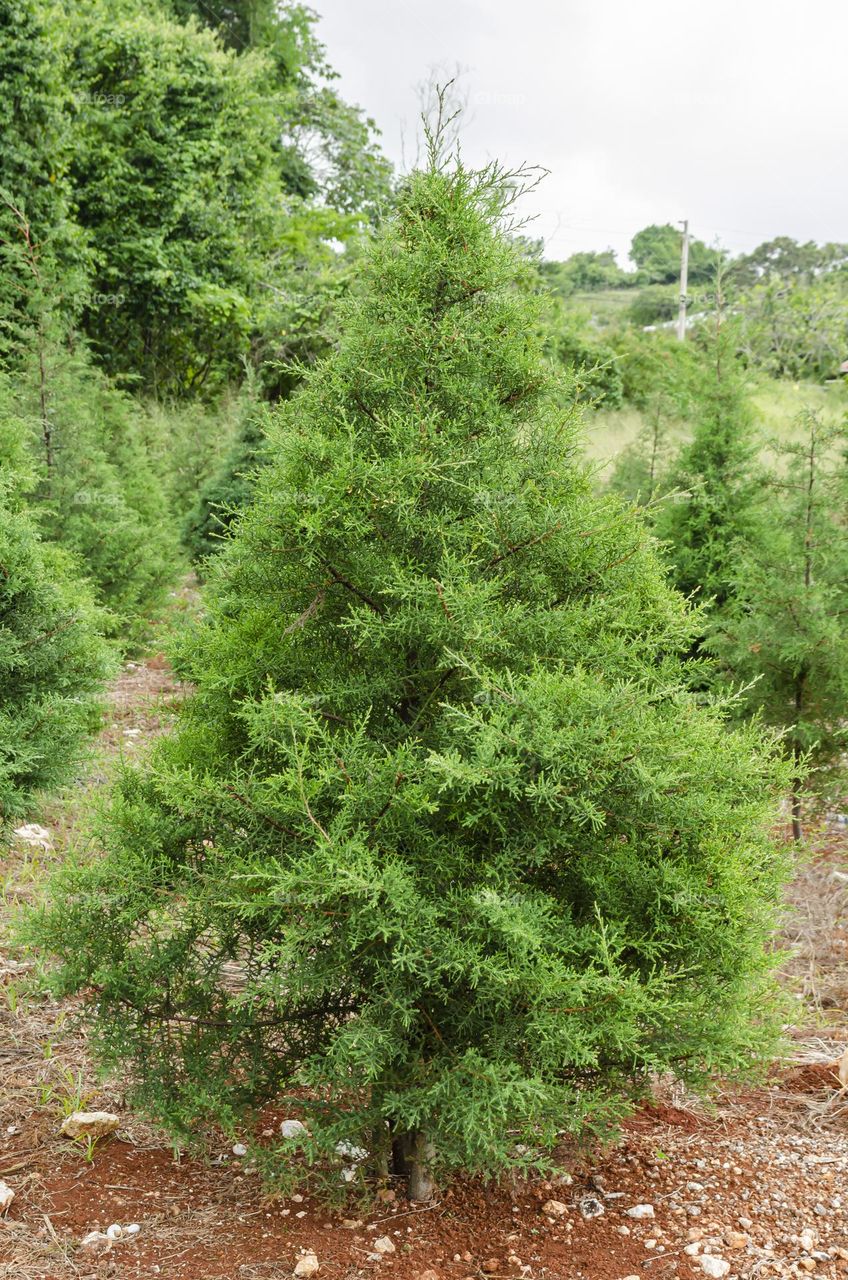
(684, 279)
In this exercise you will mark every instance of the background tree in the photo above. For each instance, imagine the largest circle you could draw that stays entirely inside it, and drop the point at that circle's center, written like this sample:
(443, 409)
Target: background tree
(784, 638)
(53, 659)
(440, 793)
(716, 475)
(656, 252)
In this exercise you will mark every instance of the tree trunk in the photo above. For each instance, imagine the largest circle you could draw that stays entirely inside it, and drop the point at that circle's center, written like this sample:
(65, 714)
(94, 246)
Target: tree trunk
(797, 832)
(413, 1155)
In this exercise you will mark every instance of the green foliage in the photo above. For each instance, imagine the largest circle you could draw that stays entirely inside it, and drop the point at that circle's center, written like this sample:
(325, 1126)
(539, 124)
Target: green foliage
(229, 490)
(482, 863)
(95, 491)
(716, 476)
(584, 273)
(787, 260)
(654, 305)
(795, 330)
(571, 341)
(53, 661)
(657, 375)
(784, 637)
(656, 252)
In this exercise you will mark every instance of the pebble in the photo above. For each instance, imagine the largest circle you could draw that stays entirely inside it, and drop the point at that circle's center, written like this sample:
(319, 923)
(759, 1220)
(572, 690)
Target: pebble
(292, 1129)
(307, 1266)
(7, 1195)
(714, 1267)
(591, 1207)
(385, 1244)
(640, 1211)
(239, 1149)
(95, 1242)
(555, 1208)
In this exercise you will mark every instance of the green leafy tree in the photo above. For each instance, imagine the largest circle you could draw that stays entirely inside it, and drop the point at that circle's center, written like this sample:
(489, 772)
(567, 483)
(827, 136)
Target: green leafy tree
(656, 252)
(784, 638)
(795, 330)
(441, 796)
(53, 659)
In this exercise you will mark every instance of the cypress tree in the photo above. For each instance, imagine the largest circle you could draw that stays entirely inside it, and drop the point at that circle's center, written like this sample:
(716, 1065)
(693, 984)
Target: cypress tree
(716, 476)
(784, 637)
(53, 660)
(442, 852)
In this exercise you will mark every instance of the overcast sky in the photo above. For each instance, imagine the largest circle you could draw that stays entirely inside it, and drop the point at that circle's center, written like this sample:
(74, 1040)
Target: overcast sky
(732, 113)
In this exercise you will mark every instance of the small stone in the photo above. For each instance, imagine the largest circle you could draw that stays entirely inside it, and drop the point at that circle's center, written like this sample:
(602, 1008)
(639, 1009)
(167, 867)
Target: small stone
(351, 1152)
(90, 1124)
(386, 1195)
(737, 1239)
(640, 1211)
(745, 1223)
(292, 1129)
(591, 1207)
(809, 1264)
(32, 833)
(115, 1231)
(385, 1244)
(307, 1266)
(132, 1230)
(692, 1250)
(555, 1208)
(428, 1275)
(714, 1267)
(7, 1195)
(631, 1278)
(490, 1266)
(352, 1224)
(239, 1149)
(301, 1214)
(297, 1199)
(807, 1240)
(623, 1231)
(95, 1242)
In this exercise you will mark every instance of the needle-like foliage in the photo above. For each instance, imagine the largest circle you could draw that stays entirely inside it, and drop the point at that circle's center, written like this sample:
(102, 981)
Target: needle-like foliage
(442, 847)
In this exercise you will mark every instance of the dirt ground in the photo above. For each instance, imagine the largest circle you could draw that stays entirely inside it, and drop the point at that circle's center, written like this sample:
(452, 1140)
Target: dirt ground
(757, 1184)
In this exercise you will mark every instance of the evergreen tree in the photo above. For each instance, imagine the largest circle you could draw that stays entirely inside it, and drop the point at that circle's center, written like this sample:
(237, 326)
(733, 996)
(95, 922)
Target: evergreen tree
(481, 863)
(229, 490)
(53, 660)
(94, 490)
(716, 476)
(784, 638)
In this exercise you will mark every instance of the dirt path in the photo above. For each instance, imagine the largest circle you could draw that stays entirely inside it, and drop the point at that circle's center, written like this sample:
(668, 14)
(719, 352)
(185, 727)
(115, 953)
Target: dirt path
(757, 1186)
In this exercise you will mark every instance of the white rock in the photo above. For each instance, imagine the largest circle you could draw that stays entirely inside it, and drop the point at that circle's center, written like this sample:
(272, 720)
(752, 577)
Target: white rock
(591, 1207)
(308, 1265)
(7, 1195)
(132, 1230)
(115, 1231)
(239, 1149)
(90, 1124)
(807, 1240)
(714, 1267)
(385, 1244)
(692, 1249)
(555, 1208)
(292, 1129)
(351, 1152)
(640, 1211)
(745, 1223)
(96, 1242)
(32, 833)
